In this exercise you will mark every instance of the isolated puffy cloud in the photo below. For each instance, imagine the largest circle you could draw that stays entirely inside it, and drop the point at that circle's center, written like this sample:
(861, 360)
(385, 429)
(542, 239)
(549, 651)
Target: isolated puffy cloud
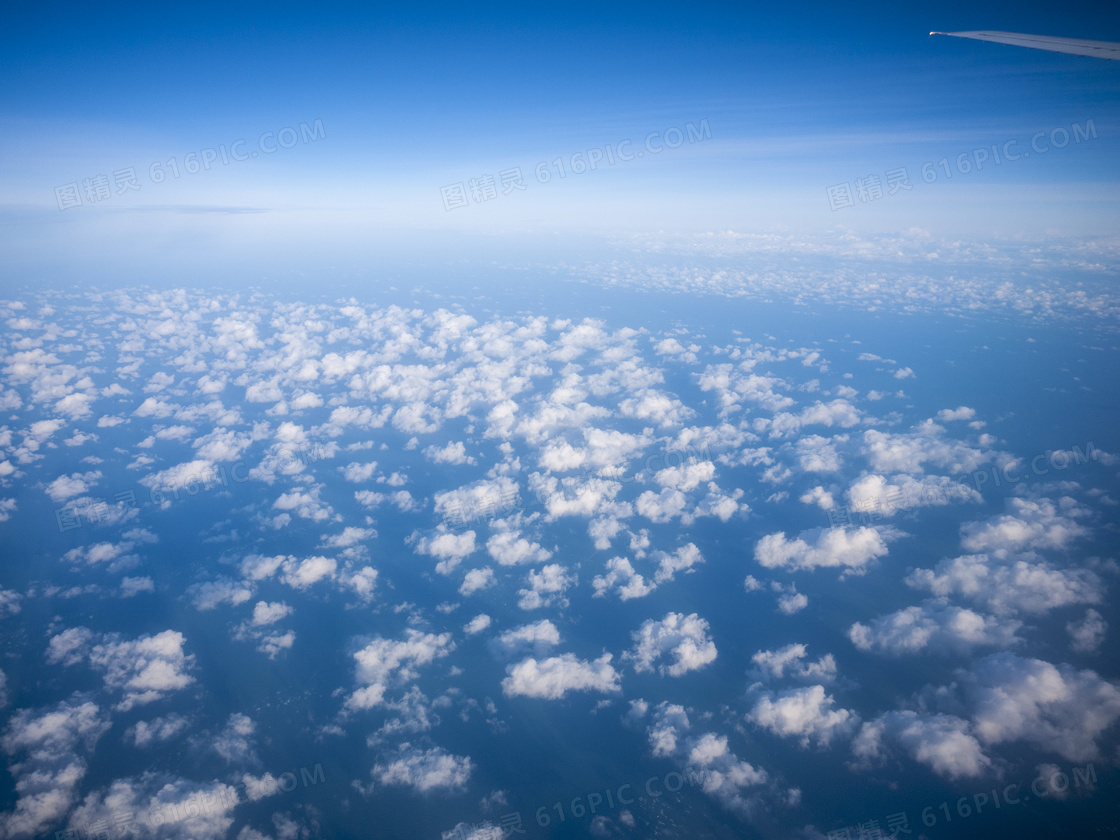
(509, 548)
(305, 505)
(67, 486)
(878, 494)
(454, 453)
(350, 536)
(52, 745)
(234, 742)
(70, 646)
(807, 714)
(736, 784)
(1031, 524)
(546, 587)
(213, 593)
(157, 730)
(934, 625)
(359, 473)
(792, 661)
(942, 742)
(684, 638)
(197, 472)
(1002, 699)
(535, 639)
(259, 567)
(622, 577)
(681, 560)
(424, 770)
(477, 624)
(302, 574)
(1057, 708)
(947, 415)
(386, 662)
(1008, 588)
(910, 452)
(792, 602)
(851, 549)
(144, 669)
(552, 678)
(133, 586)
(116, 555)
(450, 548)
(476, 580)
(265, 613)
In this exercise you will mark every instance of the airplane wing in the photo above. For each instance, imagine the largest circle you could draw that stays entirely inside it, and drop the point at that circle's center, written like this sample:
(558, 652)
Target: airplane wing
(1073, 46)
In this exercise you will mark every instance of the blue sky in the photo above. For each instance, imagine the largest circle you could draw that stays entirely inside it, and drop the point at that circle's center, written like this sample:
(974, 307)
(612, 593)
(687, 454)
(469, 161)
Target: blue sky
(797, 99)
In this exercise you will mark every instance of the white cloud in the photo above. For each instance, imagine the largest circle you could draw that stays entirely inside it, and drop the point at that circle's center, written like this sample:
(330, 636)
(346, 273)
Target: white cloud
(265, 613)
(552, 678)
(736, 784)
(535, 639)
(385, 662)
(302, 574)
(681, 560)
(685, 638)
(358, 473)
(942, 742)
(934, 625)
(234, 742)
(1088, 633)
(849, 549)
(926, 443)
(948, 415)
(424, 770)
(1054, 707)
(54, 744)
(621, 576)
(546, 587)
(791, 661)
(1031, 524)
(450, 548)
(259, 567)
(145, 669)
(477, 624)
(67, 486)
(174, 809)
(805, 713)
(1004, 699)
(211, 594)
(476, 580)
(1009, 588)
(454, 453)
(509, 548)
(157, 730)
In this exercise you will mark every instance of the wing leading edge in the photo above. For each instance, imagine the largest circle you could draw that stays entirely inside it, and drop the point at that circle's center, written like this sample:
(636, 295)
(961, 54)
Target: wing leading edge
(1073, 46)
